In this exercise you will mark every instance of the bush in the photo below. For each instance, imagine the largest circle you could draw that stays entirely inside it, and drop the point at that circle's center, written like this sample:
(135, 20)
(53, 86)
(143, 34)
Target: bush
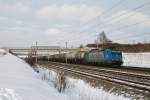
(30, 61)
(61, 82)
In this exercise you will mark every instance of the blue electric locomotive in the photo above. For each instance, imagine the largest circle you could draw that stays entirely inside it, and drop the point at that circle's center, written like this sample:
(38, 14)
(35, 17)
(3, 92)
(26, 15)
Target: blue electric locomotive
(107, 56)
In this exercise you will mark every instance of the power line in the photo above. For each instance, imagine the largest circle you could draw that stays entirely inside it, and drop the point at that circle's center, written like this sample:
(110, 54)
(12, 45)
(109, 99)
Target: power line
(122, 14)
(129, 14)
(136, 8)
(121, 37)
(130, 25)
(137, 35)
(105, 12)
(120, 21)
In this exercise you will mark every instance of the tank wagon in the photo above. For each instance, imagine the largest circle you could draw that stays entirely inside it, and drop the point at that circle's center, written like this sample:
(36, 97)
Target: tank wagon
(108, 56)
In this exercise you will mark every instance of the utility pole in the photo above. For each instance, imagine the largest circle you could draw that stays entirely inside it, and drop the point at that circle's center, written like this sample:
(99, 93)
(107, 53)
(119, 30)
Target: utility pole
(66, 44)
(59, 48)
(97, 44)
(36, 52)
(66, 58)
(66, 54)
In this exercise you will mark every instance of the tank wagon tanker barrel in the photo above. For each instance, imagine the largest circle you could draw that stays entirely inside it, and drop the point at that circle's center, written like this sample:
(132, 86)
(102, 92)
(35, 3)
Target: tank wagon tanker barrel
(108, 56)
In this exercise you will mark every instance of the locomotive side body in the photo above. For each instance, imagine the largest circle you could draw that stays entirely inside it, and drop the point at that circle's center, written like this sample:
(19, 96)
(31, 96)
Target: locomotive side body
(113, 56)
(95, 57)
(101, 57)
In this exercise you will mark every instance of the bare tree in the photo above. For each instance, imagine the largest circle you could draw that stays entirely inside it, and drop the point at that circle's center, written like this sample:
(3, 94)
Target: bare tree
(102, 38)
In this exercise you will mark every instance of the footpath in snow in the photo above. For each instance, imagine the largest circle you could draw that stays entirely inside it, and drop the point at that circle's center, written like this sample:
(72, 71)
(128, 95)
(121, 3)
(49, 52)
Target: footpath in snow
(18, 81)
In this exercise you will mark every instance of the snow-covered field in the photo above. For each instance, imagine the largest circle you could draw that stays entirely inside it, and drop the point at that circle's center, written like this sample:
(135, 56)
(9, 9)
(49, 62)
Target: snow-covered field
(136, 59)
(18, 81)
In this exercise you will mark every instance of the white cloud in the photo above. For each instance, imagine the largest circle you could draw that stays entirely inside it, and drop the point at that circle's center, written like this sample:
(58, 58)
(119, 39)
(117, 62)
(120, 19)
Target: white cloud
(19, 22)
(128, 17)
(69, 12)
(53, 31)
(3, 18)
(17, 7)
(131, 22)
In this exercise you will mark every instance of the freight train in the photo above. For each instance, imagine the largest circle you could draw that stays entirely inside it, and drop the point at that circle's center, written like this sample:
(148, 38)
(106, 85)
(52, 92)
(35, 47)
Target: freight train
(108, 56)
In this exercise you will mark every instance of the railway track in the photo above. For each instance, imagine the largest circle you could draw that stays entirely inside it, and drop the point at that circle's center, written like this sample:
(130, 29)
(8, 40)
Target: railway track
(145, 71)
(131, 78)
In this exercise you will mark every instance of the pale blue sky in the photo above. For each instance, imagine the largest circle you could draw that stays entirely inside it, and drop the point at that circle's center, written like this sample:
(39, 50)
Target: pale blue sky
(54, 22)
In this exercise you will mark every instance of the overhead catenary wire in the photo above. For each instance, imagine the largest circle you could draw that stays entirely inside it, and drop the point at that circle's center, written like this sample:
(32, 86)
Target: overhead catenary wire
(132, 36)
(106, 11)
(103, 13)
(127, 26)
(116, 17)
(124, 37)
(126, 13)
(128, 37)
(134, 23)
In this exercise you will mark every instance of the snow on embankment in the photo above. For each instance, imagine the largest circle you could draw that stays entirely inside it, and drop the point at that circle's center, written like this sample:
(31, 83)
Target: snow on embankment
(136, 59)
(2, 52)
(18, 82)
(77, 89)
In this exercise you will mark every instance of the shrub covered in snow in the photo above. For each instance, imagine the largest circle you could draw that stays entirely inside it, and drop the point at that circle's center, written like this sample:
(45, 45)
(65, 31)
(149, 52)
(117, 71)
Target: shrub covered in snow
(58, 80)
(30, 61)
(77, 89)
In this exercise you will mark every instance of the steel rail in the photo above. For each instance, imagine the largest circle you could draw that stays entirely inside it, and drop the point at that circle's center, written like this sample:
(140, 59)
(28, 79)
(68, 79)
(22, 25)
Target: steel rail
(121, 70)
(107, 75)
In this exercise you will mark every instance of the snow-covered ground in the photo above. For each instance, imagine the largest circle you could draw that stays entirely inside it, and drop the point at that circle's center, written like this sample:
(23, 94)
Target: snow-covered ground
(18, 81)
(2, 52)
(77, 89)
(136, 59)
